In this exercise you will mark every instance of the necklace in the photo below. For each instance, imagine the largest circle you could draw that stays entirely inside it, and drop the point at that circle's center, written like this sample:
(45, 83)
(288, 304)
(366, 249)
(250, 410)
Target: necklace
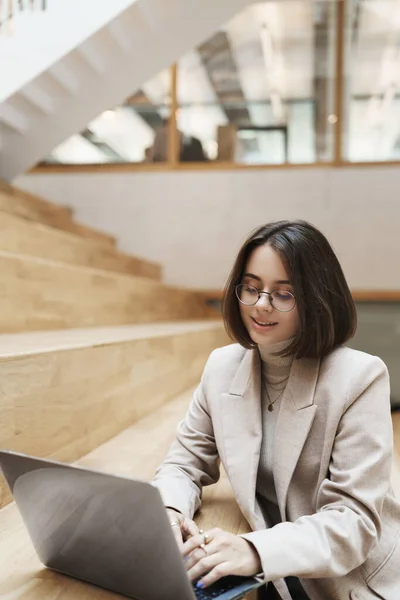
(271, 404)
(277, 387)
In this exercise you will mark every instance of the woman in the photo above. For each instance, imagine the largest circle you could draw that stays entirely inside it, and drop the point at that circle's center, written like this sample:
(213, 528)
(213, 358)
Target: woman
(302, 426)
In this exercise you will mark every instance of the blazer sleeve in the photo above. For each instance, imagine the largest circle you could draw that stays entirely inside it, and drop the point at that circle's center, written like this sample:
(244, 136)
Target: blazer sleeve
(338, 537)
(192, 461)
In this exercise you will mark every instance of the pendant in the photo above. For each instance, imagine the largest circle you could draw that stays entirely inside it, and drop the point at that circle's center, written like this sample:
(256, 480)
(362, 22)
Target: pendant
(270, 407)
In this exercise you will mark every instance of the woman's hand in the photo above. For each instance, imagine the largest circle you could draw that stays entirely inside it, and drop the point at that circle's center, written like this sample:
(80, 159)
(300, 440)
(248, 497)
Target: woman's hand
(219, 553)
(182, 526)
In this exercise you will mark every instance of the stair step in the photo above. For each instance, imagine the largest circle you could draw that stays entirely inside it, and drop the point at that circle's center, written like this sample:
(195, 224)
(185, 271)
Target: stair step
(38, 294)
(20, 236)
(64, 393)
(28, 206)
(89, 233)
(131, 454)
(23, 204)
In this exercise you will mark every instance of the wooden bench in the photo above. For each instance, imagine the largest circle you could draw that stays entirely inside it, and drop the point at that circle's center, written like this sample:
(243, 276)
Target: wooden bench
(20, 236)
(132, 454)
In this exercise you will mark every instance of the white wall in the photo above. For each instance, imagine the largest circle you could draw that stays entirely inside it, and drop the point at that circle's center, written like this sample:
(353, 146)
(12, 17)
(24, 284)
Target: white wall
(194, 222)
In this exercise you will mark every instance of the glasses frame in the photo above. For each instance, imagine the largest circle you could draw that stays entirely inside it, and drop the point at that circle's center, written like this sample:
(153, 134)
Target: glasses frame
(260, 292)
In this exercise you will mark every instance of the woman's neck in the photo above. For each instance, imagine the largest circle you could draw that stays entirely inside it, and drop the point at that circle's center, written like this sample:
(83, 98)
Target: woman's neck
(272, 364)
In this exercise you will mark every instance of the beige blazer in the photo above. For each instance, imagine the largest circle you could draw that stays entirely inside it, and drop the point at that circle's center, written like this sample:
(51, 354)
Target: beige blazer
(332, 462)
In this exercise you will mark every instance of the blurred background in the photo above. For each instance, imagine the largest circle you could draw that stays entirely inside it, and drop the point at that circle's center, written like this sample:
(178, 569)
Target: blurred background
(263, 89)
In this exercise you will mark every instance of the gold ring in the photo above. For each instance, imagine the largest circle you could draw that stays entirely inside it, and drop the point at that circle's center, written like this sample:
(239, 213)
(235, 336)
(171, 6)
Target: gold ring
(203, 547)
(207, 538)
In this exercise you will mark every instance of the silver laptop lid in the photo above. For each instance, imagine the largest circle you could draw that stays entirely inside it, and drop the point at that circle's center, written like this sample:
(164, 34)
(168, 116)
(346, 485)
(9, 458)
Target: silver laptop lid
(106, 530)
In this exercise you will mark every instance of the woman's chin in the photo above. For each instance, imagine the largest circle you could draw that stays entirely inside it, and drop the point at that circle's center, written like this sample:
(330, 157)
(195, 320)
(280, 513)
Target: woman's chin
(261, 338)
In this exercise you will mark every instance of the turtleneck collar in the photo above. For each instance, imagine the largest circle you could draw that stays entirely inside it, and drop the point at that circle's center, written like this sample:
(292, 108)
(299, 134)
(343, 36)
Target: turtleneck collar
(273, 364)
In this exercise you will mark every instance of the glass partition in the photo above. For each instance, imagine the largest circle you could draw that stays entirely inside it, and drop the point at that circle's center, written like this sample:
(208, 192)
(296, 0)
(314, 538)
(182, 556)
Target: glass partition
(135, 132)
(285, 82)
(371, 130)
(261, 89)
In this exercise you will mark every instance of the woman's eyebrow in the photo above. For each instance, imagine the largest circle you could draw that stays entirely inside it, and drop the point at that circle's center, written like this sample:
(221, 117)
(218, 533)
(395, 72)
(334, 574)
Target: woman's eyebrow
(280, 281)
(251, 276)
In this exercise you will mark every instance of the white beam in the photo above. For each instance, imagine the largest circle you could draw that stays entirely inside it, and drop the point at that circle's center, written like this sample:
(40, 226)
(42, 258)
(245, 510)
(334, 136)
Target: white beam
(13, 118)
(65, 77)
(38, 97)
(120, 35)
(94, 53)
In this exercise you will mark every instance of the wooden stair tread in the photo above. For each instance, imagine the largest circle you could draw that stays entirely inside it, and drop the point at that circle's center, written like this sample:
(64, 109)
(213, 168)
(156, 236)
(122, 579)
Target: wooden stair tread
(91, 233)
(35, 342)
(31, 207)
(60, 397)
(22, 576)
(30, 204)
(21, 236)
(38, 294)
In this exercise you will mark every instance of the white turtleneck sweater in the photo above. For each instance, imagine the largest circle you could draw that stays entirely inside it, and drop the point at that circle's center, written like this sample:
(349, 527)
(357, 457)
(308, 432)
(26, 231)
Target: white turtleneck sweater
(275, 375)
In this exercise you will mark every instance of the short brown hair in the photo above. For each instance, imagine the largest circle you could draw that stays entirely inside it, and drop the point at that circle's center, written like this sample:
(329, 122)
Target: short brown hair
(327, 313)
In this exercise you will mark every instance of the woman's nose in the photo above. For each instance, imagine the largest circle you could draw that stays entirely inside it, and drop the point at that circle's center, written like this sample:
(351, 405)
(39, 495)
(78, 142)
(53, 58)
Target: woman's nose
(264, 302)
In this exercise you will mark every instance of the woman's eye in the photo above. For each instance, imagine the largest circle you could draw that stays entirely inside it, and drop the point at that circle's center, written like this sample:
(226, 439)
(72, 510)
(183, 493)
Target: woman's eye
(282, 295)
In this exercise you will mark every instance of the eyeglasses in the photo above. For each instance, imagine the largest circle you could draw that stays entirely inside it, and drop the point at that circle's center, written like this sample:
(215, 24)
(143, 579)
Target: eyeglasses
(282, 300)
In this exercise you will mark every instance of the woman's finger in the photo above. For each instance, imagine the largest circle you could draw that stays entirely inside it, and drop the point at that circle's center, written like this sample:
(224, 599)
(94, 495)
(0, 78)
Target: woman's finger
(176, 521)
(194, 558)
(192, 543)
(200, 538)
(189, 528)
(199, 553)
(221, 569)
(178, 535)
(204, 565)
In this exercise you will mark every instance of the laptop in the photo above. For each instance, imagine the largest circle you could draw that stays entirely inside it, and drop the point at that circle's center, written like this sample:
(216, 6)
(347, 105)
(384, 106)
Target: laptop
(109, 531)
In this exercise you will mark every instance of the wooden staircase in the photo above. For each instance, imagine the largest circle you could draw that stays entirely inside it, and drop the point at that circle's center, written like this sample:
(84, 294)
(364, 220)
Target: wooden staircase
(96, 357)
(90, 338)
(28, 206)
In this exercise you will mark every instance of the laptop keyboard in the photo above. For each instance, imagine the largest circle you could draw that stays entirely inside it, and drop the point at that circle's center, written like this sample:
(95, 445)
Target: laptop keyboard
(220, 587)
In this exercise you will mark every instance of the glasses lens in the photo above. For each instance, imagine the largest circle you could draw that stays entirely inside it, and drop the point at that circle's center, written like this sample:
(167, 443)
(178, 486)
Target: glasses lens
(247, 294)
(283, 300)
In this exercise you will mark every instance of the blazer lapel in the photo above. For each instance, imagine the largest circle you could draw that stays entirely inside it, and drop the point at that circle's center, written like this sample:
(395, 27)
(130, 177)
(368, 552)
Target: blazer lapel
(242, 426)
(295, 418)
